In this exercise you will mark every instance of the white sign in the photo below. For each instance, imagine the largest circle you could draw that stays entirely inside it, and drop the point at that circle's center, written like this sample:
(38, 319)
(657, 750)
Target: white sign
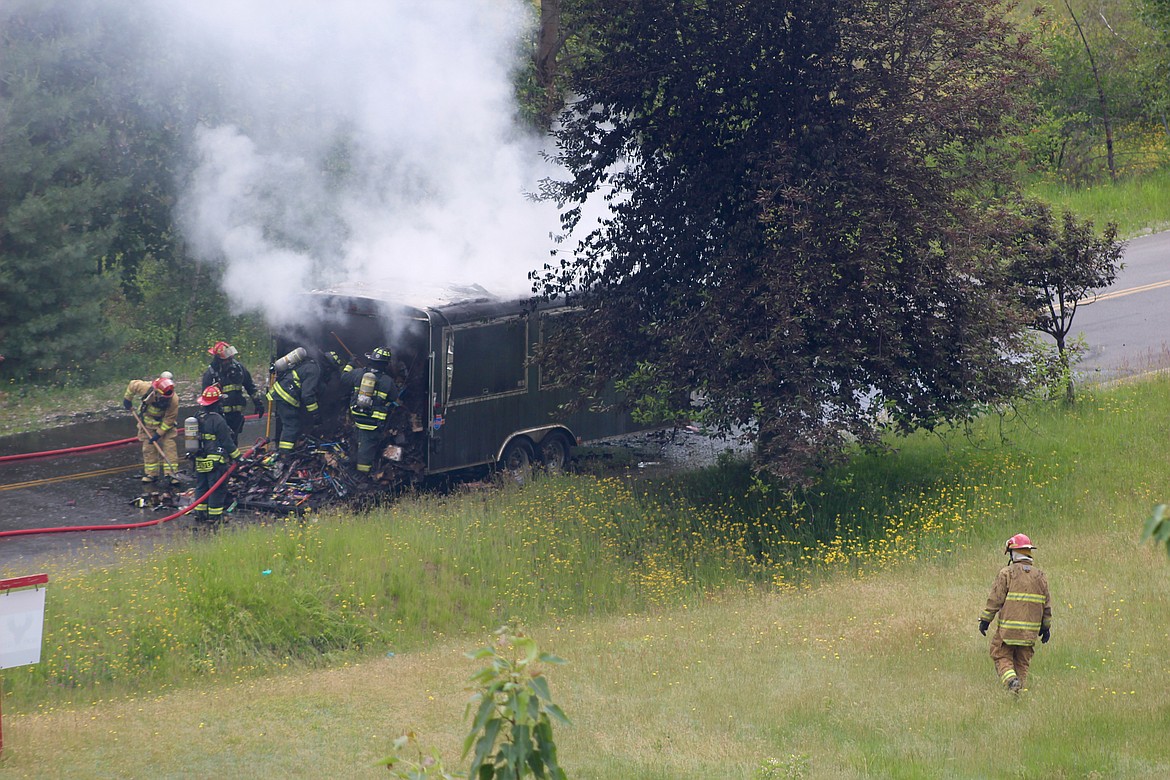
(22, 621)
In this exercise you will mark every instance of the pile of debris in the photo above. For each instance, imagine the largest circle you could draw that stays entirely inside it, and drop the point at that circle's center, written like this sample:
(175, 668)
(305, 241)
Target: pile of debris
(312, 475)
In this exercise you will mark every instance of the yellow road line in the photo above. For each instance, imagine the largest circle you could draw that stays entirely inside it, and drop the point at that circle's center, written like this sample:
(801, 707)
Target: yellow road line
(66, 478)
(1128, 291)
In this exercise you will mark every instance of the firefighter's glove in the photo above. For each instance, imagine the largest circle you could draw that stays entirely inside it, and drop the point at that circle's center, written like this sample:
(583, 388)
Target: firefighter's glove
(316, 418)
(259, 403)
(983, 624)
(126, 404)
(154, 437)
(1045, 635)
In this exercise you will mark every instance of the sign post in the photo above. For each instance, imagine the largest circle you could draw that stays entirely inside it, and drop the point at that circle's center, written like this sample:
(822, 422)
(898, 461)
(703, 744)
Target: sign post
(22, 622)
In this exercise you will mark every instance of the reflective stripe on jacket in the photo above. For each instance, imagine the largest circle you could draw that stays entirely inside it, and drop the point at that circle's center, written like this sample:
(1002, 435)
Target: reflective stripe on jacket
(297, 385)
(372, 417)
(157, 411)
(235, 382)
(217, 445)
(1020, 597)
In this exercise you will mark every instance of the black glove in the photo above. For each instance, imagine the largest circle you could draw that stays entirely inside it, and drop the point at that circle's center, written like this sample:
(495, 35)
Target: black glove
(126, 404)
(1045, 635)
(983, 624)
(154, 437)
(259, 402)
(316, 418)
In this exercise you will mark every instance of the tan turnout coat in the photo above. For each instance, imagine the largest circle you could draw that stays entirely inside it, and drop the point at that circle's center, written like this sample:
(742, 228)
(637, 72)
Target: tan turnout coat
(1020, 597)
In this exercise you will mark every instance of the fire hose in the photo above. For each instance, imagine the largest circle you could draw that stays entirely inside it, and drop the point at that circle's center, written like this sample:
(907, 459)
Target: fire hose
(81, 449)
(143, 524)
(67, 450)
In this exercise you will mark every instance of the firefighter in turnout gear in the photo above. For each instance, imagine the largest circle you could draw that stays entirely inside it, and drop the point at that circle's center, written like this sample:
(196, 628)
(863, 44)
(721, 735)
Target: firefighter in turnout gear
(293, 393)
(373, 396)
(1020, 597)
(158, 414)
(215, 450)
(234, 382)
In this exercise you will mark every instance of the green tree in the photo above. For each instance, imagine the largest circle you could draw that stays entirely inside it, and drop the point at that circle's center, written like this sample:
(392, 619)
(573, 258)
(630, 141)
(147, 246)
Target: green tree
(1157, 527)
(93, 154)
(798, 227)
(512, 711)
(1106, 93)
(56, 223)
(1058, 267)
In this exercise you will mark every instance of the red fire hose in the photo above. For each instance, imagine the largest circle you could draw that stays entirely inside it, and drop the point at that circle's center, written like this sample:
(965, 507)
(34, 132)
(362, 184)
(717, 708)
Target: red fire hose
(144, 524)
(78, 450)
(68, 450)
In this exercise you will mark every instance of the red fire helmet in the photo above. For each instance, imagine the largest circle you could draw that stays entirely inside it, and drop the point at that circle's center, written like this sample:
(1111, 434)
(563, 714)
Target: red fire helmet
(210, 395)
(1019, 542)
(164, 386)
(222, 350)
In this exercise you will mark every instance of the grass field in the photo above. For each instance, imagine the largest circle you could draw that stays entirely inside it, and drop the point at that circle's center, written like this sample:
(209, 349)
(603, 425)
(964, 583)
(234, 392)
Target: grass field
(711, 630)
(1138, 204)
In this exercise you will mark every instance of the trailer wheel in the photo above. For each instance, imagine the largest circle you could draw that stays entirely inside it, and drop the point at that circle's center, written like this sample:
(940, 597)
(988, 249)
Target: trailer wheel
(555, 452)
(517, 459)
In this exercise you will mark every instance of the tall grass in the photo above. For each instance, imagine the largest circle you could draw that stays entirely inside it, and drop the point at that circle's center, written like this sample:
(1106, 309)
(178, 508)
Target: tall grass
(1139, 204)
(335, 587)
(714, 625)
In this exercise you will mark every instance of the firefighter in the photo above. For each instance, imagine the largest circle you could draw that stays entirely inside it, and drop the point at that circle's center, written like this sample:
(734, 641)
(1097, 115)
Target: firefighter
(1020, 596)
(157, 416)
(373, 395)
(234, 382)
(215, 450)
(293, 393)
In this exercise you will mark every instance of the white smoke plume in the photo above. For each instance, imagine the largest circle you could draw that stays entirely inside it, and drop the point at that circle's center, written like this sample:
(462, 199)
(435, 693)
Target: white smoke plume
(358, 139)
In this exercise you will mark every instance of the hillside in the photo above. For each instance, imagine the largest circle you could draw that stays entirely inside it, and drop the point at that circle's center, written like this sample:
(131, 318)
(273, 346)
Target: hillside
(866, 662)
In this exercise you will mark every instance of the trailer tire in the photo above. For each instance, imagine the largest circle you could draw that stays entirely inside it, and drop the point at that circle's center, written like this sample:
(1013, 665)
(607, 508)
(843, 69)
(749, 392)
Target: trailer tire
(517, 459)
(555, 451)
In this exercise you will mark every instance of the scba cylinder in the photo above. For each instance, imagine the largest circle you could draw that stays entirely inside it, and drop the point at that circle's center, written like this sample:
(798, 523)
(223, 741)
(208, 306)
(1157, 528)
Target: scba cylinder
(365, 395)
(191, 434)
(291, 360)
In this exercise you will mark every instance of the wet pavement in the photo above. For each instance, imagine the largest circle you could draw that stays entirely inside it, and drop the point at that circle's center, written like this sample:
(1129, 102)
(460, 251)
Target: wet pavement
(102, 489)
(94, 488)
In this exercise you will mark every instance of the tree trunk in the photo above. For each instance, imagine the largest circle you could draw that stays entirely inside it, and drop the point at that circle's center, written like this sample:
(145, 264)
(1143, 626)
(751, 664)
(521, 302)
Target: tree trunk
(1100, 94)
(548, 46)
(1065, 369)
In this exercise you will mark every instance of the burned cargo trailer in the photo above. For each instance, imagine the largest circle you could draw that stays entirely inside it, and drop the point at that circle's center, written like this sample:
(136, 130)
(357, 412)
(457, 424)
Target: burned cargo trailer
(472, 394)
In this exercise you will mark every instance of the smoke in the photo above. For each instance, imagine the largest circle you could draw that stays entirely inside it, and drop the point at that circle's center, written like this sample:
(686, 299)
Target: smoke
(355, 140)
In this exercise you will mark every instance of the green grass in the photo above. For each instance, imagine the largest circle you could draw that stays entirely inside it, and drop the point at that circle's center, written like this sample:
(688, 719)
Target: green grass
(1138, 204)
(27, 407)
(711, 629)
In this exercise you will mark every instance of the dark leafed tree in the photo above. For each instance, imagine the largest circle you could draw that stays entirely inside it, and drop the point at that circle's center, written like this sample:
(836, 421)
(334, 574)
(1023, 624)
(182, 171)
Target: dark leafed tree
(797, 229)
(1057, 267)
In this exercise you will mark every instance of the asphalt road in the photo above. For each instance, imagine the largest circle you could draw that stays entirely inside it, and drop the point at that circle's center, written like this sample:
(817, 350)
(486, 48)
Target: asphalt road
(91, 489)
(1127, 326)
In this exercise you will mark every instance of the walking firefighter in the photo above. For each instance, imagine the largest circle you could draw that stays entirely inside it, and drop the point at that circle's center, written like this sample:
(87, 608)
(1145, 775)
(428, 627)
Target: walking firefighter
(235, 383)
(1020, 597)
(213, 448)
(157, 416)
